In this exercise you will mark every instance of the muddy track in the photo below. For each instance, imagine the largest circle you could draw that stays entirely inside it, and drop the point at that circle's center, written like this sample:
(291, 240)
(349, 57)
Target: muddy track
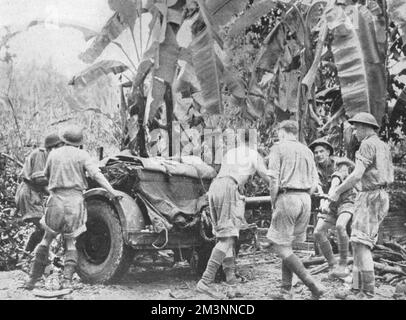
(153, 282)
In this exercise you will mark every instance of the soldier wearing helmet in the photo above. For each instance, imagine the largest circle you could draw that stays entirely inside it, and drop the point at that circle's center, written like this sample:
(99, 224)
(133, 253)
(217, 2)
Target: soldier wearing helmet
(65, 213)
(374, 170)
(336, 214)
(323, 155)
(31, 191)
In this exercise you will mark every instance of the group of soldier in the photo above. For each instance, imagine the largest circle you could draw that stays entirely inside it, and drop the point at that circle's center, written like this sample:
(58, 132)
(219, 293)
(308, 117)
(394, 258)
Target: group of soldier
(353, 196)
(349, 192)
(59, 171)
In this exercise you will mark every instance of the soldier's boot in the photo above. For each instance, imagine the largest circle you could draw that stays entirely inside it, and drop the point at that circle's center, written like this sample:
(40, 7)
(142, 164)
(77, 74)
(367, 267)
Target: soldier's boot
(34, 240)
(232, 282)
(38, 266)
(297, 267)
(286, 288)
(351, 294)
(71, 261)
(229, 270)
(327, 251)
(205, 285)
(368, 283)
(341, 270)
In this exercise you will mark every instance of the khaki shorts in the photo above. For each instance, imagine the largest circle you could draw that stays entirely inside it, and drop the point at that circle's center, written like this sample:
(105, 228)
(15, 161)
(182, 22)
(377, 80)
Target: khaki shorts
(371, 207)
(29, 202)
(65, 214)
(335, 212)
(290, 218)
(226, 208)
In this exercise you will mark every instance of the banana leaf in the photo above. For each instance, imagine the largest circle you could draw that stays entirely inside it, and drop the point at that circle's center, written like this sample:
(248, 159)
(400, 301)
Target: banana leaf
(111, 30)
(288, 90)
(127, 9)
(223, 10)
(94, 72)
(397, 13)
(207, 67)
(360, 68)
(164, 69)
(310, 77)
(251, 16)
(86, 32)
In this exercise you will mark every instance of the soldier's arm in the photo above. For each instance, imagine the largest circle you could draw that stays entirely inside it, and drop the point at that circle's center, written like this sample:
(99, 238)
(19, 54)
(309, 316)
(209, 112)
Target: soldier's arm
(102, 181)
(363, 159)
(273, 172)
(351, 180)
(262, 170)
(335, 182)
(316, 186)
(94, 172)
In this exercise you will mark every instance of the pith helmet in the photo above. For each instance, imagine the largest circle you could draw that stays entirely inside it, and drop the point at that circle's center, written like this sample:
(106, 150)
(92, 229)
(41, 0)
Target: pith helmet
(321, 142)
(72, 135)
(51, 140)
(365, 118)
(344, 160)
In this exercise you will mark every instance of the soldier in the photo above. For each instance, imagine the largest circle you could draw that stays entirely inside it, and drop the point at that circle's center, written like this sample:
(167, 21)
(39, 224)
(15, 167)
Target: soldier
(30, 193)
(337, 214)
(227, 210)
(323, 155)
(294, 177)
(373, 167)
(65, 211)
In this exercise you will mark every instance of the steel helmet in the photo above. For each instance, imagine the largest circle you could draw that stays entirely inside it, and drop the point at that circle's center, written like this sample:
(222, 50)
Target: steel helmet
(322, 142)
(51, 140)
(72, 135)
(364, 118)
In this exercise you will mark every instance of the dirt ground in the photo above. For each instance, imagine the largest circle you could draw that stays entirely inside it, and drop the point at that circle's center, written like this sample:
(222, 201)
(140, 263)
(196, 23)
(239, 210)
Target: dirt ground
(151, 282)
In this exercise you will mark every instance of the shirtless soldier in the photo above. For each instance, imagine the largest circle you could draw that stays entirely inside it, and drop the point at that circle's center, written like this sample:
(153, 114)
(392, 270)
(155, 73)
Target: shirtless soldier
(336, 214)
(227, 210)
(294, 177)
(373, 167)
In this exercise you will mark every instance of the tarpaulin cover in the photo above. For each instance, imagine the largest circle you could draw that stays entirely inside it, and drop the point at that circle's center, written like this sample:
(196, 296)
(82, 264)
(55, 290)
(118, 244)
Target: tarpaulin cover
(177, 198)
(172, 192)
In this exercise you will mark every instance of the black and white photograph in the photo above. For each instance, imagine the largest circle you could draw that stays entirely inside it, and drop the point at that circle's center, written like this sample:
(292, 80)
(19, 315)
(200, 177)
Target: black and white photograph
(205, 153)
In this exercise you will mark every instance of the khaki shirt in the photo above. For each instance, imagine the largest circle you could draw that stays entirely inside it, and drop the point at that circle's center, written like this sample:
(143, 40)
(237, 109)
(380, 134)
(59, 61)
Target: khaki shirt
(293, 164)
(376, 157)
(239, 163)
(66, 168)
(325, 173)
(34, 165)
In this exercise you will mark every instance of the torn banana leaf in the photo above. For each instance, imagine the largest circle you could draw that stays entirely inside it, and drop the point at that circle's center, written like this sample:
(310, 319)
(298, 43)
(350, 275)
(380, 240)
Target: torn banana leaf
(87, 33)
(207, 67)
(112, 29)
(94, 72)
(164, 70)
(360, 68)
(310, 77)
